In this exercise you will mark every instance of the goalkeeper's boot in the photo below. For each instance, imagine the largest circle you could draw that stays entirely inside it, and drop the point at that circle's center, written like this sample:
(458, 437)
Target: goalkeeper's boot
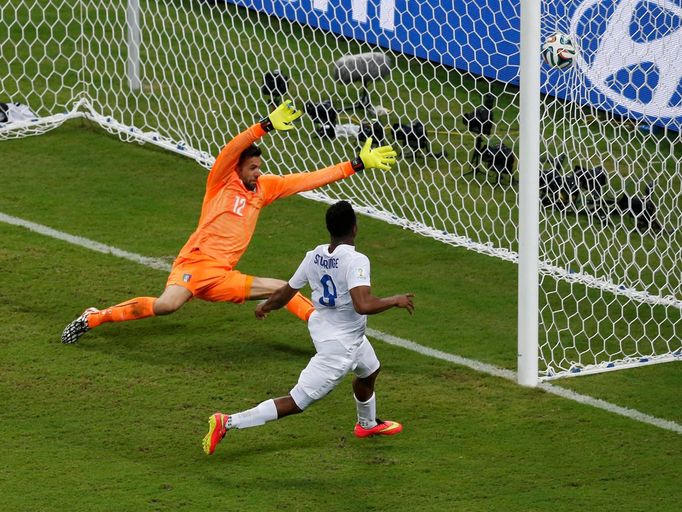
(78, 327)
(382, 428)
(216, 431)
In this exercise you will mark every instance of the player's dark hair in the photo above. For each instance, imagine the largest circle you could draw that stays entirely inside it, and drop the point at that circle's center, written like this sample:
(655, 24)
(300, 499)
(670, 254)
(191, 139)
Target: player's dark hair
(340, 219)
(252, 150)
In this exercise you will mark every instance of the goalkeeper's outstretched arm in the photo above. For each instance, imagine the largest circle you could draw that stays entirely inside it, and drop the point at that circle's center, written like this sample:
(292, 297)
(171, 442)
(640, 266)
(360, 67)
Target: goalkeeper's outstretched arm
(280, 119)
(275, 187)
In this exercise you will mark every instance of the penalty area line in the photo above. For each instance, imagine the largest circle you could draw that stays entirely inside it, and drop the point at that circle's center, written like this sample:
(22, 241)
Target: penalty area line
(478, 366)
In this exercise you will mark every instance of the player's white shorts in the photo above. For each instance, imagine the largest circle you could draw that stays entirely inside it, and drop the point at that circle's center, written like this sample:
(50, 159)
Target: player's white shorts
(333, 361)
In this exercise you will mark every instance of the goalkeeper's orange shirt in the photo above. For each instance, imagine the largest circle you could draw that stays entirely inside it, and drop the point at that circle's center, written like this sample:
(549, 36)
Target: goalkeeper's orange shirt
(230, 211)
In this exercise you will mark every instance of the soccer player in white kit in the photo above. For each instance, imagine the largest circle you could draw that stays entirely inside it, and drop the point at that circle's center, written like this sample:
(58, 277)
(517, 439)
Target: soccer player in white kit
(340, 280)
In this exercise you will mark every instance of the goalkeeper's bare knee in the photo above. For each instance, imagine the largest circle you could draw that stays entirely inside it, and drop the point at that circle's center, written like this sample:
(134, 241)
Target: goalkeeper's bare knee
(172, 299)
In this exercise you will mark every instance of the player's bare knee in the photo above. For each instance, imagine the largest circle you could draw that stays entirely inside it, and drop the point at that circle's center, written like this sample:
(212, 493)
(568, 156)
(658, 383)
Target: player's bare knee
(369, 380)
(299, 408)
(165, 306)
(286, 406)
(171, 300)
(295, 409)
(263, 287)
(275, 284)
(299, 399)
(161, 308)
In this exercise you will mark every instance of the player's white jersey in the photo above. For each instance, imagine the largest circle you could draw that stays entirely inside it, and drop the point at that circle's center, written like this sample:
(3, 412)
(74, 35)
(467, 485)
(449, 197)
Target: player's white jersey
(331, 276)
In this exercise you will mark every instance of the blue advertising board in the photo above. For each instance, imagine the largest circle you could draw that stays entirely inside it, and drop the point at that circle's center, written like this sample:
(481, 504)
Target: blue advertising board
(629, 57)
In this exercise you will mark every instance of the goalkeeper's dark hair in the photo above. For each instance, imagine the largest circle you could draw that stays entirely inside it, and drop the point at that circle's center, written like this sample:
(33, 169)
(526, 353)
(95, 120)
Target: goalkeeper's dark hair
(340, 219)
(249, 152)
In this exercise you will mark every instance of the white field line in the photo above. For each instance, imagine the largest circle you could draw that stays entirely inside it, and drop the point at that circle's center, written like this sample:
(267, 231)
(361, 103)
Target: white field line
(510, 375)
(386, 338)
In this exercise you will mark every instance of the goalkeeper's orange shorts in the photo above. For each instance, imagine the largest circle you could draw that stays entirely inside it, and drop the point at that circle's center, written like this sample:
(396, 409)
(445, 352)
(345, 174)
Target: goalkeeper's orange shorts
(210, 280)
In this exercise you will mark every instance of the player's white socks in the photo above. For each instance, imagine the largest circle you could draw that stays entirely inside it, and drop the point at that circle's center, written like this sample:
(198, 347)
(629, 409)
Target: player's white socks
(259, 415)
(367, 412)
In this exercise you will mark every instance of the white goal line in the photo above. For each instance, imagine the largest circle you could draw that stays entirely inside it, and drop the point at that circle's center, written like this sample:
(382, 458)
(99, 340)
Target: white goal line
(478, 366)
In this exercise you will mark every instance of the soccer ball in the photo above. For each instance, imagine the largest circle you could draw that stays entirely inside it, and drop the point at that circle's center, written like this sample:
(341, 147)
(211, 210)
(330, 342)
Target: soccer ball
(558, 51)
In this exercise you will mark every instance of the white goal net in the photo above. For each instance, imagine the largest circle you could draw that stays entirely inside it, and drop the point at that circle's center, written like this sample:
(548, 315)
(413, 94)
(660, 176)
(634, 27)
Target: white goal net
(610, 224)
(438, 79)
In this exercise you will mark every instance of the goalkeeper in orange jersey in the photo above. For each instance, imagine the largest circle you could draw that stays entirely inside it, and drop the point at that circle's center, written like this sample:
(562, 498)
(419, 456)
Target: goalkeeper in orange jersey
(236, 190)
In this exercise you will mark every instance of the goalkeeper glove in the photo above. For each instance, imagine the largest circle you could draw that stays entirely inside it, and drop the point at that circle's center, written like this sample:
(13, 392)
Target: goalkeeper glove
(281, 118)
(379, 158)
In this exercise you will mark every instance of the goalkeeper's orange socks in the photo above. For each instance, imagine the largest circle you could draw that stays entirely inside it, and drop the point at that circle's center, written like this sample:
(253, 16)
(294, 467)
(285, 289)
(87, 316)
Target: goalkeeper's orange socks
(301, 306)
(143, 307)
(134, 309)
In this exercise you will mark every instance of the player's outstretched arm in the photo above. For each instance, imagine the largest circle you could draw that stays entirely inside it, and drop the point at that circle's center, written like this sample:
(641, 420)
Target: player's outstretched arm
(277, 300)
(276, 187)
(367, 304)
(282, 118)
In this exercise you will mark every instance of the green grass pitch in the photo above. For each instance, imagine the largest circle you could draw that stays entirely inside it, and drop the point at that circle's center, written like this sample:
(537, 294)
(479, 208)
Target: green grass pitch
(115, 422)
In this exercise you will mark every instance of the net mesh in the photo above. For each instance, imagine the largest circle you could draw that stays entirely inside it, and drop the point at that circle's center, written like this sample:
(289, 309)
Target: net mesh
(613, 226)
(447, 97)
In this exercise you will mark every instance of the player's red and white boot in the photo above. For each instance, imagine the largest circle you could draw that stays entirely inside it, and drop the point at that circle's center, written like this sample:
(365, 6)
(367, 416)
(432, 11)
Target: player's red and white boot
(78, 327)
(382, 428)
(216, 431)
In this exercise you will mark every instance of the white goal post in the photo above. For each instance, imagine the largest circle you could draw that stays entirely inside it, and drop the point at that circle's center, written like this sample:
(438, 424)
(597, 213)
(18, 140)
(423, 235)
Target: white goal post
(575, 174)
(529, 194)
